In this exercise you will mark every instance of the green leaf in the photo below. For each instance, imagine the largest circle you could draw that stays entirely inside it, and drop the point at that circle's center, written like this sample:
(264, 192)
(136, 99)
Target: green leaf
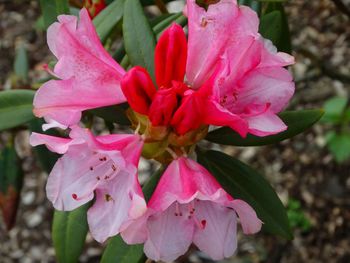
(297, 122)
(284, 42)
(108, 18)
(242, 182)
(113, 114)
(139, 39)
(69, 232)
(21, 65)
(15, 108)
(271, 26)
(46, 158)
(52, 8)
(118, 251)
(339, 146)
(11, 179)
(151, 184)
(334, 109)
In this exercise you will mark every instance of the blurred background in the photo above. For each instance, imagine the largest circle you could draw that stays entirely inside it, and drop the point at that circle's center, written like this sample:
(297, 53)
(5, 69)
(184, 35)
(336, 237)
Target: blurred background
(310, 172)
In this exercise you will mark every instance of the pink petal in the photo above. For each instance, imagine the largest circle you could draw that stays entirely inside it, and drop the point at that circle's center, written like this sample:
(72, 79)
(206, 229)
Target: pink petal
(75, 176)
(78, 48)
(117, 203)
(136, 232)
(90, 77)
(218, 235)
(251, 224)
(211, 33)
(184, 180)
(265, 85)
(169, 236)
(54, 144)
(265, 124)
(217, 115)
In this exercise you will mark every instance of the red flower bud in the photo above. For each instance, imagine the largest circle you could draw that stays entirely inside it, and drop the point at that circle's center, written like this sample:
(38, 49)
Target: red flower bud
(138, 89)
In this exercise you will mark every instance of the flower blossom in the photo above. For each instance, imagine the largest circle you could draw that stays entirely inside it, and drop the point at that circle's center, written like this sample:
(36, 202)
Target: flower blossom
(104, 165)
(87, 76)
(227, 75)
(188, 205)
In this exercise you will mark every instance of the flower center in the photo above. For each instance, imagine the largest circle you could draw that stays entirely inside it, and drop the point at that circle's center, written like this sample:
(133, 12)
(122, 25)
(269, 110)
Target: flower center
(101, 169)
(189, 211)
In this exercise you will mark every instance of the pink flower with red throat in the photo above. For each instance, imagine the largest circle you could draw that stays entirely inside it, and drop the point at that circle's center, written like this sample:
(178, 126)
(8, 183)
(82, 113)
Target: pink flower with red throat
(238, 76)
(227, 75)
(189, 206)
(104, 167)
(88, 77)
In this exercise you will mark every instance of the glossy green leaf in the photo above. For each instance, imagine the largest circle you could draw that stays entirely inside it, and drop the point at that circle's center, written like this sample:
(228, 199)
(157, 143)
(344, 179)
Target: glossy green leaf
(69, 232)
(334, 109)
(46, 158)
(339, 146)
(284, 42)
(297, 122)
(151, 184)
(139, 39)
(11, 179)
(118, 251)
(52, 8)
(15, 108)
(108, 18)
(242, 182)
(21, 65)
(271, 26)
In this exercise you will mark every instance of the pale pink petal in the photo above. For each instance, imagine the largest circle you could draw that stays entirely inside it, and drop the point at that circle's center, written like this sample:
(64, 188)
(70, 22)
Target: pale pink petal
(54, 144)
(263, 86)
(251, 224)
(217, 231)
(77, 174)
(169, 236)
(136, 232)
(117, 203)
(272, 58)
(265, 124)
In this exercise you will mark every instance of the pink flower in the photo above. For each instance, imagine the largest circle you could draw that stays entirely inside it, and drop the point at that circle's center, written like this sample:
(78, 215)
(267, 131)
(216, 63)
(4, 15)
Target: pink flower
(102, 166)
(238, 76)
(234, 77)
(88, 76)
(188, 206)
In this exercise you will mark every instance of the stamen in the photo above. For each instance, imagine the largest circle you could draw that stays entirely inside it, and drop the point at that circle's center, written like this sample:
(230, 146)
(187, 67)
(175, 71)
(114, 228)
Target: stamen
(108, 198)
(137, 128)
(48, 70)
(184, 151)
(177, 210)
(171, 152)
(202, 224)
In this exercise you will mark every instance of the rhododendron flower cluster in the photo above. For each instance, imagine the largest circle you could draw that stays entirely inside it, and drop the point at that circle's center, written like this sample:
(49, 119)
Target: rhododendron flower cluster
(224, 74)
